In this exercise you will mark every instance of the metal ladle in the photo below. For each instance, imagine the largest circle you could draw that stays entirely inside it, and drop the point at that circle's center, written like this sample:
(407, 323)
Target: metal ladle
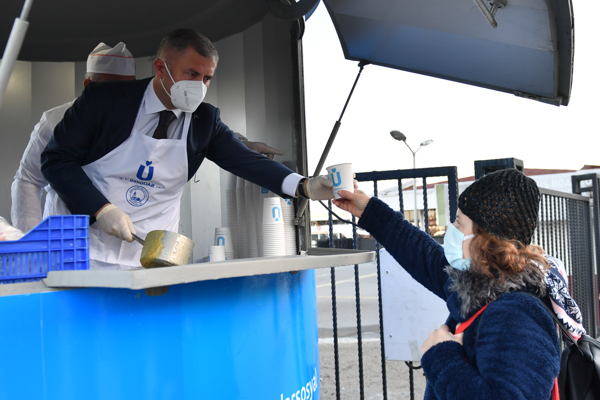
(164, 249)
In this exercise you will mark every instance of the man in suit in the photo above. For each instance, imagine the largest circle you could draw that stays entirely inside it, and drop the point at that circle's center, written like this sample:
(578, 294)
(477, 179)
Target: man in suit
(124, 151)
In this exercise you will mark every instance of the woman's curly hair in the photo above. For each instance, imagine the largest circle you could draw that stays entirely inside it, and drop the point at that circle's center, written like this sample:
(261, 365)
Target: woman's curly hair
(493, 256)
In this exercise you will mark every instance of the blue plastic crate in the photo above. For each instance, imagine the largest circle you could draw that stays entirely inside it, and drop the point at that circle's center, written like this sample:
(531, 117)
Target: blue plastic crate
(58, 243)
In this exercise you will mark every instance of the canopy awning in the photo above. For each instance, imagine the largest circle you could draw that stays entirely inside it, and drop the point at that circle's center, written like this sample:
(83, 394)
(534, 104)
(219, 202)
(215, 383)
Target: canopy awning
(66, 30)
(529, 54)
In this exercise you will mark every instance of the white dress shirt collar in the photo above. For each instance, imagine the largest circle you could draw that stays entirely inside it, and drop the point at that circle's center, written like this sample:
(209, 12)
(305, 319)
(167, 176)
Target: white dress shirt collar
(153, 103)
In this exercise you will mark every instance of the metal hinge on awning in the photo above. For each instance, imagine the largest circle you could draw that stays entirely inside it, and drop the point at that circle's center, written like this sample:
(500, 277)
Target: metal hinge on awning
(491, 14)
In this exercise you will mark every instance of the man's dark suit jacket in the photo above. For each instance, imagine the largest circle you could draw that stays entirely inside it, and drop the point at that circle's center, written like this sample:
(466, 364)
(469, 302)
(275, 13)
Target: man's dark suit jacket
(102, 118)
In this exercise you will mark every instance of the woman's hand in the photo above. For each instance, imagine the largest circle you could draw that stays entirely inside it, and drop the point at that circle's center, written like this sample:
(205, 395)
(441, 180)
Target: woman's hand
(442, 334)
(355, 203)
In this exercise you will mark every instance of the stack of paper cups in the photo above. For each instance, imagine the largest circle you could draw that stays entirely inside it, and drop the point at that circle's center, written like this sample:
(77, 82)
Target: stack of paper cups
(273, 231)
(216, 253)
(342, 177)
(223, 238)
(258, 206)
(232, 221)
(251, 221)
(264, 193)
(241, 218)
(289, 228)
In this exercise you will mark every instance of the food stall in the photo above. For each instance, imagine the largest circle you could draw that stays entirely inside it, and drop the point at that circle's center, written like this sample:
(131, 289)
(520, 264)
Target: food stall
(241, 329)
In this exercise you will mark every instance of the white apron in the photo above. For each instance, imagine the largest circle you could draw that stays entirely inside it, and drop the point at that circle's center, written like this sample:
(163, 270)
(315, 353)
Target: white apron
(145, 178)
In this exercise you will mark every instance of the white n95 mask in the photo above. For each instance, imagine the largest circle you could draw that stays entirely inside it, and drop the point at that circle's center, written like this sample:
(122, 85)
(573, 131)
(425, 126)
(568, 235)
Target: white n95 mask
(453, 248)
(185, 95)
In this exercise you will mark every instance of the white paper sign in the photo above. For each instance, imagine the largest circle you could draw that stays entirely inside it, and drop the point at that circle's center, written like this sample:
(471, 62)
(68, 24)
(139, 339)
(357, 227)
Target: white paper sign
(410, 311)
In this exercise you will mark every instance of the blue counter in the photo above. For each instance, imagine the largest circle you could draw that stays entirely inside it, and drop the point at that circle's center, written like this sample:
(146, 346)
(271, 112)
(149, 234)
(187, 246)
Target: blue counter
(250, 337)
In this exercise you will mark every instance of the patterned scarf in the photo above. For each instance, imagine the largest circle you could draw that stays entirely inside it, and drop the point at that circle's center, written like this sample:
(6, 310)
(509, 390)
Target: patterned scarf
(565, 308)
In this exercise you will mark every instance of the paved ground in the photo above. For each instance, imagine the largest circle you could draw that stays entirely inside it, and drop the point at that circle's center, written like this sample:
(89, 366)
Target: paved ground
(397, 372)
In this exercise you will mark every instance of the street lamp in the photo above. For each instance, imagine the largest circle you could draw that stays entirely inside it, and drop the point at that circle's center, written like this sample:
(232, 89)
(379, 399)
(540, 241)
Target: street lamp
(401, 137)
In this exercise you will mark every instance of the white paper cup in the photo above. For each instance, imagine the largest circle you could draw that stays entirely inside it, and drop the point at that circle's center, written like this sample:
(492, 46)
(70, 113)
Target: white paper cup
(272, 213)
(223, 238)
(216, 253)
(342, 177)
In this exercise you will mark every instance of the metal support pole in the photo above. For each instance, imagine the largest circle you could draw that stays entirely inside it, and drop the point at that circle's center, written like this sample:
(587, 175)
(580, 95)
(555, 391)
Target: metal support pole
(334, 131)
(415, 189)
(336, 353)
(13, 47)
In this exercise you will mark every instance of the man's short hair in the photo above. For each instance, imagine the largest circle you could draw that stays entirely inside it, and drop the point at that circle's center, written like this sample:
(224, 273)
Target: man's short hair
(178, 41)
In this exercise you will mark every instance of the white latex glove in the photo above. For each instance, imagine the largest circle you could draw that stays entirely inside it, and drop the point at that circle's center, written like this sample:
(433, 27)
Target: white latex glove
(319, 188)
(115, 222)
(262, 148)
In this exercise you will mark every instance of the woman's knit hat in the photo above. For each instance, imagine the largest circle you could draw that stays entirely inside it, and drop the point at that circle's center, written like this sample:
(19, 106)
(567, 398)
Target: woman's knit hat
(504, 203)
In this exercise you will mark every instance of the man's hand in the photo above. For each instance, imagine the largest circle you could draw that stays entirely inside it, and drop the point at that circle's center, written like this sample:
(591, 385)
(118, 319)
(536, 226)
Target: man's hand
(355, 203)
(262, 148)
(115, 222)
(319, 188)
(442, 334)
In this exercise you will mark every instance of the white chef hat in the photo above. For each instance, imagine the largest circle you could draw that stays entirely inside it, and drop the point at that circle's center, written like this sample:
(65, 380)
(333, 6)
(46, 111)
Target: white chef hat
(111, 60)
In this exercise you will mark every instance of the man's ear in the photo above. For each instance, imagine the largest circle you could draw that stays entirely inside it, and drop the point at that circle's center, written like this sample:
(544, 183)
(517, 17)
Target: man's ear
(159, 68)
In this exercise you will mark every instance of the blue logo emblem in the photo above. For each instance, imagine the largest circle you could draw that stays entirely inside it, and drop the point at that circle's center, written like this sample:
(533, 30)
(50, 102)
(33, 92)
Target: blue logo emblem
(263, 190)
(278, 213)
(140, 173)
(339, 178)
(288, 201)
(220, 241)
(137, 196)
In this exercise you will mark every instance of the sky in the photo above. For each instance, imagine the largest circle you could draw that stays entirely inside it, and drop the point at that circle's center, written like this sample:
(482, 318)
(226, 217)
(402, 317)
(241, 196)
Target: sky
(466, 123)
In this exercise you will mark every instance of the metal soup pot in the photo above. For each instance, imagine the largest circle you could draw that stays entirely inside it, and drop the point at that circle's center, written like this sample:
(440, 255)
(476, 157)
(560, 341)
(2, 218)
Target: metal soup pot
(165, 249)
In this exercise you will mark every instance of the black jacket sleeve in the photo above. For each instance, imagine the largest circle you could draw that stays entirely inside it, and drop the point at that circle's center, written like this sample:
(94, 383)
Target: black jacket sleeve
(229, 153)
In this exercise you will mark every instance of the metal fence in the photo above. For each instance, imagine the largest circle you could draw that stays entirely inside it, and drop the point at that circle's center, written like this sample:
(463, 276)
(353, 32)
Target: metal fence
(567, 229)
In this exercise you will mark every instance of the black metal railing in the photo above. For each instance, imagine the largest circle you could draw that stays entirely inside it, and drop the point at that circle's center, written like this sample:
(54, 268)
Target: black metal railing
(565, 232)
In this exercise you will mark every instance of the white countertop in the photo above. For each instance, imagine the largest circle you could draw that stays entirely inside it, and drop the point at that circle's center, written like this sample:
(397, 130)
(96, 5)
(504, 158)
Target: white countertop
(156, 277)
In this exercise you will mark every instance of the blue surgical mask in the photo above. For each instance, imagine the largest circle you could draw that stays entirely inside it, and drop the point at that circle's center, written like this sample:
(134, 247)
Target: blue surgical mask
(453, 248)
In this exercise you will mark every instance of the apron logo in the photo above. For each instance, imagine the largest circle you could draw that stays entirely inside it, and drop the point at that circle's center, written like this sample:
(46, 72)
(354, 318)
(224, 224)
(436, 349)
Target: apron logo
(137, 196)
(339, 178)
(140, 173)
